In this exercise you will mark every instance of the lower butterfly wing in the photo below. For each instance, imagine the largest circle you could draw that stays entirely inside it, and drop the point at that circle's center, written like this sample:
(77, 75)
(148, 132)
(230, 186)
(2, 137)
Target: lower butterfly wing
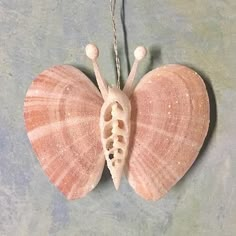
(170, 118)
(61, 111)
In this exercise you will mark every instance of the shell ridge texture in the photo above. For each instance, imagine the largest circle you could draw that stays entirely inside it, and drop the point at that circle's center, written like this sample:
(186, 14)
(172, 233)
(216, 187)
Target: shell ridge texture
(152, 134)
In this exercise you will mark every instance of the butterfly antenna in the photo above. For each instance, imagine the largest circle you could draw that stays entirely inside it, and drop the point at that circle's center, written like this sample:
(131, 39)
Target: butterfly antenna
(139, 53)
(92, 53)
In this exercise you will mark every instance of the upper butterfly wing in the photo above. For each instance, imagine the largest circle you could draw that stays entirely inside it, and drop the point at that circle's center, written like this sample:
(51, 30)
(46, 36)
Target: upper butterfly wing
(170, 118)
(61, 111)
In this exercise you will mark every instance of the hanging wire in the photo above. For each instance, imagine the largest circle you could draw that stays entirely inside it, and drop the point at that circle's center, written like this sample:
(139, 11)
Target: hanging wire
(112, 9)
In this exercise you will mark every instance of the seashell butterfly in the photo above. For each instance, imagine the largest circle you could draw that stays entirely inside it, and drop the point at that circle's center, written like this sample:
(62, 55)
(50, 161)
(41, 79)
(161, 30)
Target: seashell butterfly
(152, 133)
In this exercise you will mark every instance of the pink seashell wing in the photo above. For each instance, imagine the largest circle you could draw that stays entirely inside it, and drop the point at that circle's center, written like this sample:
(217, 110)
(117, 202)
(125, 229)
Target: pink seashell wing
(170, 118)
(61, 112)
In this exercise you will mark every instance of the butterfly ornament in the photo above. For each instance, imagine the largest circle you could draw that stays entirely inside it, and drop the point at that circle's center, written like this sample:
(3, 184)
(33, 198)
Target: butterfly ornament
(151, 133)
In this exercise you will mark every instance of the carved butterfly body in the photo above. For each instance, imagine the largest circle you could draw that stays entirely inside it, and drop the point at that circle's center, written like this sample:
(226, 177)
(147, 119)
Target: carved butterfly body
(151, 133)
(115, 131)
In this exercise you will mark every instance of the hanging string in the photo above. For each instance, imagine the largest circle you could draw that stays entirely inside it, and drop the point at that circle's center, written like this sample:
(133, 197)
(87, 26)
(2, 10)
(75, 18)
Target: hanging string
(112, 9)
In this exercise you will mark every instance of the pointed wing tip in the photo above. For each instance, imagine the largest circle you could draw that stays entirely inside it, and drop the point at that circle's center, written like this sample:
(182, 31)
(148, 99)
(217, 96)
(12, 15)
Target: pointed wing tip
(75, 196)
(149, 196)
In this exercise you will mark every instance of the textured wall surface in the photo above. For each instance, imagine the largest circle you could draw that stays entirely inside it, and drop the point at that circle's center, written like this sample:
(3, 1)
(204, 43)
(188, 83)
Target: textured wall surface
(36, 34)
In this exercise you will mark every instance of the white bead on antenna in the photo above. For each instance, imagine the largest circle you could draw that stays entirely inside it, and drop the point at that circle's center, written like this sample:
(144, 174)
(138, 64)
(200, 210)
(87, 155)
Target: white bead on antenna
(140, 52)
(92, 51)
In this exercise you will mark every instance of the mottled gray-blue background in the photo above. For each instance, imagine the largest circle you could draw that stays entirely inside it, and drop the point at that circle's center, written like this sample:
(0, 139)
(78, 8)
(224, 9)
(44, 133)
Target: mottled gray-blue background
(36, 34)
